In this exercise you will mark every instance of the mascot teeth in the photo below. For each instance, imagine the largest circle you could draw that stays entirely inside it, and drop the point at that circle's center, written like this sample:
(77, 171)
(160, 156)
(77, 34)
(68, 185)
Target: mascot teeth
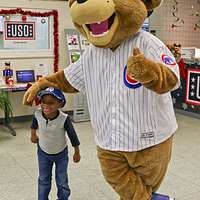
(99, 35)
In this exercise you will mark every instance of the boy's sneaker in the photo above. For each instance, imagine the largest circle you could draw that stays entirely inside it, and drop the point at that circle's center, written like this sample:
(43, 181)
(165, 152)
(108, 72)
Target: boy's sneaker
(156, 196)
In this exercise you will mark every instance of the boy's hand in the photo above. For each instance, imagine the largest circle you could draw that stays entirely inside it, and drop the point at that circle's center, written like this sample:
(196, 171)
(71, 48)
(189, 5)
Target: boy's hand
(76, 157)
(34, 138)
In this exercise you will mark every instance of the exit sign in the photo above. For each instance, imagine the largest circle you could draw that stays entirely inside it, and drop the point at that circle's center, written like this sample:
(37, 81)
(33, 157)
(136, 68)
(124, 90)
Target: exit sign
(17, 30)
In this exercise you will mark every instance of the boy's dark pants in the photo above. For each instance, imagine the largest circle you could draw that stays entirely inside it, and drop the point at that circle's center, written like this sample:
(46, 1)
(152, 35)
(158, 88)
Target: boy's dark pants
(45, 174)
(135, 175)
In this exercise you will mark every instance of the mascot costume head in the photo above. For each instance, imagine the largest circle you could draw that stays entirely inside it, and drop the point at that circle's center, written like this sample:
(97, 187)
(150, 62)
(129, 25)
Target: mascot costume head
(127, 75)
(107, 23)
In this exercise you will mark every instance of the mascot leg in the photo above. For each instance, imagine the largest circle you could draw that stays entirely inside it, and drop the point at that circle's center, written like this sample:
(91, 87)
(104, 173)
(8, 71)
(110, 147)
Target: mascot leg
(135, 175)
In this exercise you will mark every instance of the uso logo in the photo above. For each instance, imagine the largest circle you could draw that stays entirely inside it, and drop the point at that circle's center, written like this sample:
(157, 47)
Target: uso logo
(129, 82)
(168, 60)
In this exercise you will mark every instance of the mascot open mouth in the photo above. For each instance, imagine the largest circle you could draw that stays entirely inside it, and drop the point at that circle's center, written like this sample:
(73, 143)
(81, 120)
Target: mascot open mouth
(101, 28)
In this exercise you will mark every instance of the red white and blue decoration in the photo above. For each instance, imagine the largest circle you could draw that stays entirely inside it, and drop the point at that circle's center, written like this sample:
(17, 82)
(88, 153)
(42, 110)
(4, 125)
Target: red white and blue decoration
(168, 60)
(193, 87)
(129, 82)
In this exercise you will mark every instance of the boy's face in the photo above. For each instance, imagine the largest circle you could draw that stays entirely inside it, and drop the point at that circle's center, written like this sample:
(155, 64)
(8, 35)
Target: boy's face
(50, 104)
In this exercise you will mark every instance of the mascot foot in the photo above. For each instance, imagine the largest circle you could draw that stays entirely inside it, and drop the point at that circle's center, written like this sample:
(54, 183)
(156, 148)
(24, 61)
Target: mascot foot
(156, 196)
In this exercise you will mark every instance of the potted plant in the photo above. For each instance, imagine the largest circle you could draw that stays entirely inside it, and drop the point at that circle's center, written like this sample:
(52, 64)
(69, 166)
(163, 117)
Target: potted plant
(6, 107)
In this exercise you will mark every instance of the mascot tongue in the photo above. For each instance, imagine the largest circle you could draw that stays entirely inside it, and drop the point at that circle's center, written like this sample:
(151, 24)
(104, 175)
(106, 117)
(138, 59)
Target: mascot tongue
(99, 28)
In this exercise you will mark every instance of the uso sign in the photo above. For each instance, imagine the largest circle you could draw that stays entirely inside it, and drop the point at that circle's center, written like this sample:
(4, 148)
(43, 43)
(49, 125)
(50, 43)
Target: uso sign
(17, 30)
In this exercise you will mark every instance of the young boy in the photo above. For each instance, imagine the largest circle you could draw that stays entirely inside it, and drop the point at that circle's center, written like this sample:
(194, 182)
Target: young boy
(51, 126)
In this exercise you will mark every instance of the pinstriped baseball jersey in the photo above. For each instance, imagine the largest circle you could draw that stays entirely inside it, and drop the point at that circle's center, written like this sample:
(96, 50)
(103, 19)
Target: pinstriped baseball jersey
(124, 118)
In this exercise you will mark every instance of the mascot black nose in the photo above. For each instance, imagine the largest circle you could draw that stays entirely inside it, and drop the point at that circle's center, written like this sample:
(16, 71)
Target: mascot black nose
(81, 1)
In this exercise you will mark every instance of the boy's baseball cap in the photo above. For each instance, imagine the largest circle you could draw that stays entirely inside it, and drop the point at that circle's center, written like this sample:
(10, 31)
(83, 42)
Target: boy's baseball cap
(54, 92)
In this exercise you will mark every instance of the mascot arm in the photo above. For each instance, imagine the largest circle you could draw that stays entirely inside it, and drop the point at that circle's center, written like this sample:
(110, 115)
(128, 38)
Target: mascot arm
(60, 82)
(56, 80)
(154, 76)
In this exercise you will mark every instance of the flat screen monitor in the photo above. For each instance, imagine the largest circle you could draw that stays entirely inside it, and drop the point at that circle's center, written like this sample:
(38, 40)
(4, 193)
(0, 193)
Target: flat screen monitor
(25, 76)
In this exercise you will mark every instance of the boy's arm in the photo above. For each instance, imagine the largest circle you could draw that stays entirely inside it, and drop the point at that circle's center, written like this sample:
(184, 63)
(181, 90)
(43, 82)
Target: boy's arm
(34, 126)
(73, 139)
(71, 132)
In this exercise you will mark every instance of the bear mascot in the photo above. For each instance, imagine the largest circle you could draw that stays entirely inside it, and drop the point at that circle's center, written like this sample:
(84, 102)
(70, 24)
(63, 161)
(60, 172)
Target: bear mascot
(127, 75)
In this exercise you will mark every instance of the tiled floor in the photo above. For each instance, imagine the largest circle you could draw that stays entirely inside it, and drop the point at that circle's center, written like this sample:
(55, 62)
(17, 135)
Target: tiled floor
(18, 165)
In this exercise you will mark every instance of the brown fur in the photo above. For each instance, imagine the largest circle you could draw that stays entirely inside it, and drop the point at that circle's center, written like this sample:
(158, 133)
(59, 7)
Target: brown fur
(151, 4)
(59, 79)
(124, 11)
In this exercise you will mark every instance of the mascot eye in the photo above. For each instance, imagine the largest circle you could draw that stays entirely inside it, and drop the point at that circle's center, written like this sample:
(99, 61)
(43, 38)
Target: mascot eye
(81, 1)
(71, 2)
(78, 1)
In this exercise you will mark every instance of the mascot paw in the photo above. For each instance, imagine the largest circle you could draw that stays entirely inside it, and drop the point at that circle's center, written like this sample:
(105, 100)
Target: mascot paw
(30, 95)
(135, 64)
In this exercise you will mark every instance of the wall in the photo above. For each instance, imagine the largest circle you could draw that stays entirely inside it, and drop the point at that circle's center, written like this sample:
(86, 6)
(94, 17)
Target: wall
(24, 62)
(162, 20)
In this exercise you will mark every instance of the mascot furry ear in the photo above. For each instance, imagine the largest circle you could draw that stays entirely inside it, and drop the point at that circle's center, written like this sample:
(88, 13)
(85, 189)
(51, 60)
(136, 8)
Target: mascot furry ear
(151, 4)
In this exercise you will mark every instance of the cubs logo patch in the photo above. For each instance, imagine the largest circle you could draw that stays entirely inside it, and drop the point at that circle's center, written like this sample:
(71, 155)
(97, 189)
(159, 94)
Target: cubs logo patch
(168, 60)
(129, 82)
